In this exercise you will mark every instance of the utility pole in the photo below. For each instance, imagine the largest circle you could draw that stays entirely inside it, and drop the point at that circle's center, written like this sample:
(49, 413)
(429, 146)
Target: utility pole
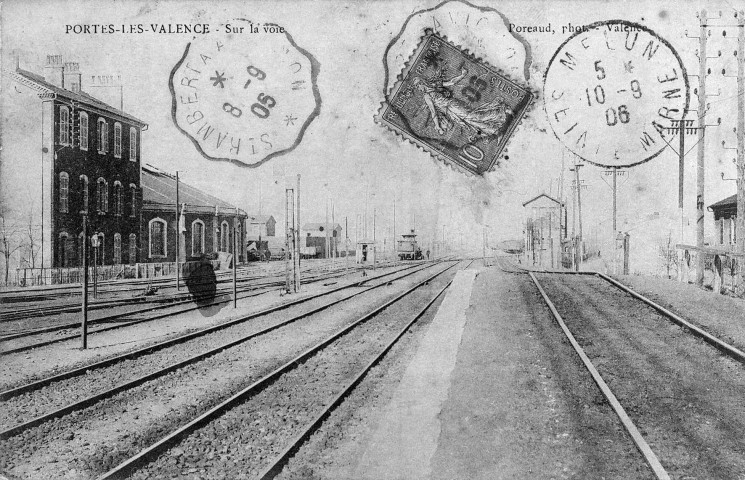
(178, 239)
(235, 258)
(296, 260)
(578, 240)
(84, 320)
(394, 230)
(289, 235)
(700, 177)
(375, 254)
(740, 228)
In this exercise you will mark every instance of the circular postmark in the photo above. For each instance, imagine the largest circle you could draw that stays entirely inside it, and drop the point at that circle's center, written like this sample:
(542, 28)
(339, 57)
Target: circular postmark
(612, 93)
(245, 97)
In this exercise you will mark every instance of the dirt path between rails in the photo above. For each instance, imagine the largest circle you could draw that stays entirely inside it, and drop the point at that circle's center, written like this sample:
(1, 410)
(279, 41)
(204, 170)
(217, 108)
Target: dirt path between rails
(683, 395)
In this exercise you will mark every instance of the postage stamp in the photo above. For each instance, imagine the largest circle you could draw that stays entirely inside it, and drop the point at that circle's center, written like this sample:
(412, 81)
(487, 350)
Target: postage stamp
(245, 97)
(612, 90)
(455, 106)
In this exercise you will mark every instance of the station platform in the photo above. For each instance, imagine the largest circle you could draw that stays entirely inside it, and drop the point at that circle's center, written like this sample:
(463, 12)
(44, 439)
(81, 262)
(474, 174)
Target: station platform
(477, 401)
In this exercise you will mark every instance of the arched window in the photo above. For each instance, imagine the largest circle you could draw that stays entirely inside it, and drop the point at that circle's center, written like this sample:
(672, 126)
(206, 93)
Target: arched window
(133, 144)
(118, 140)
(117, 249)
(157, 231)
(64, 192)
(103, 136)
(83, 131)
(64, 126)
(102, 195)
(224, 232)
(133, 194)
(84, 192)
(118, 208)
(197, 237)
(132, 248)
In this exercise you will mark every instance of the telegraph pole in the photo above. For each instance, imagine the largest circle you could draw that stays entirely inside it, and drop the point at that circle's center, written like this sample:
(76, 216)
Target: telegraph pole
(740, 229)
(296, 261)
(235, 258)
(394, 230)
(178, 239)
(700, 178)
(84, 322)
(578, 240)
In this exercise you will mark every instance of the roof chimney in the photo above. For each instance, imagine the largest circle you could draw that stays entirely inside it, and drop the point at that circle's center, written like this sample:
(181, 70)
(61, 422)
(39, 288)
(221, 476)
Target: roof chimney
(71, 76)
(54, 70)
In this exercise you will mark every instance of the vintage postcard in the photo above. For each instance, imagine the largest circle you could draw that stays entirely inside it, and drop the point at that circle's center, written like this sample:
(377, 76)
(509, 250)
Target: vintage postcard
(393, 239)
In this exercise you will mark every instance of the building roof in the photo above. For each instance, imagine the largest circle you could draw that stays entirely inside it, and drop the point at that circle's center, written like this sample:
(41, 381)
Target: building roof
(727, 202)
(260, 218)
(317, 226)
(159, 189)
(539, 196)
(38, 83)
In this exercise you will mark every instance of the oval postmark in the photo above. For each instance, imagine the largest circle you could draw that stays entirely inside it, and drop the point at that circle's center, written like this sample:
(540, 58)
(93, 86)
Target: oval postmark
(612, 91)
(245, 97)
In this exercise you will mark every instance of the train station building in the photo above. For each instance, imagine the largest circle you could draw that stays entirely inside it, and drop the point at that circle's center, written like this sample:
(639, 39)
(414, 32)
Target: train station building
(66, 156)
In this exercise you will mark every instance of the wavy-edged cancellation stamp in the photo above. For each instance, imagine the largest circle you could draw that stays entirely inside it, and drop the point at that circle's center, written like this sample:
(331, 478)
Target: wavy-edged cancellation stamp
(455, 106)
(247, 95)
(611, 91)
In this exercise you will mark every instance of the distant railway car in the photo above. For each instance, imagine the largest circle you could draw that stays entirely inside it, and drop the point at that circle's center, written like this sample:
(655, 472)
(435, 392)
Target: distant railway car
(407, 247)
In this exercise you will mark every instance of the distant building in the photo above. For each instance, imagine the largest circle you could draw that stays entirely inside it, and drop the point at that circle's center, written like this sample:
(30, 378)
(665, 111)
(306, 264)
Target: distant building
(65, 155)
(315, 237)
(545, 228)
(260, 226)
(209, 224)
(725, 221)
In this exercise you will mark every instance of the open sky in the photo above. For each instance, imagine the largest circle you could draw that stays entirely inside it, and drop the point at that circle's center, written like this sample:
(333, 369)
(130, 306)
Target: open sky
(347, 158)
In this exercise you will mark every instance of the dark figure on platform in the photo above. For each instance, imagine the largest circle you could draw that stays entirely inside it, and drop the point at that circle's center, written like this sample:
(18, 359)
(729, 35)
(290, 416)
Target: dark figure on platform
(202, 283)
(428, 254)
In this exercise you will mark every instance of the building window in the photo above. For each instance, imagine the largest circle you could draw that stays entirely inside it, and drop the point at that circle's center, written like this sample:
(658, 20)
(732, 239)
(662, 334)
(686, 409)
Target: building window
(117, 249)
(197, 237)
(721, 232)
(224, 232)
(118, 140)
(734, 230)
(64, 126)
(133, 191)
(132, 248)
(102, 196)
(118, 208)
(83, 131)
(133, 144)
(103, 136)
(64, 191)
(84, 192)
(157, 229)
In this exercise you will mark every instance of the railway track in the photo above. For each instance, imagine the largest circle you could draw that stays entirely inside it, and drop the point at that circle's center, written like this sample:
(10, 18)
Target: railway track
(643, 365)
(223, 286)
(9, 393)
(129, 317)
(24, 435)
